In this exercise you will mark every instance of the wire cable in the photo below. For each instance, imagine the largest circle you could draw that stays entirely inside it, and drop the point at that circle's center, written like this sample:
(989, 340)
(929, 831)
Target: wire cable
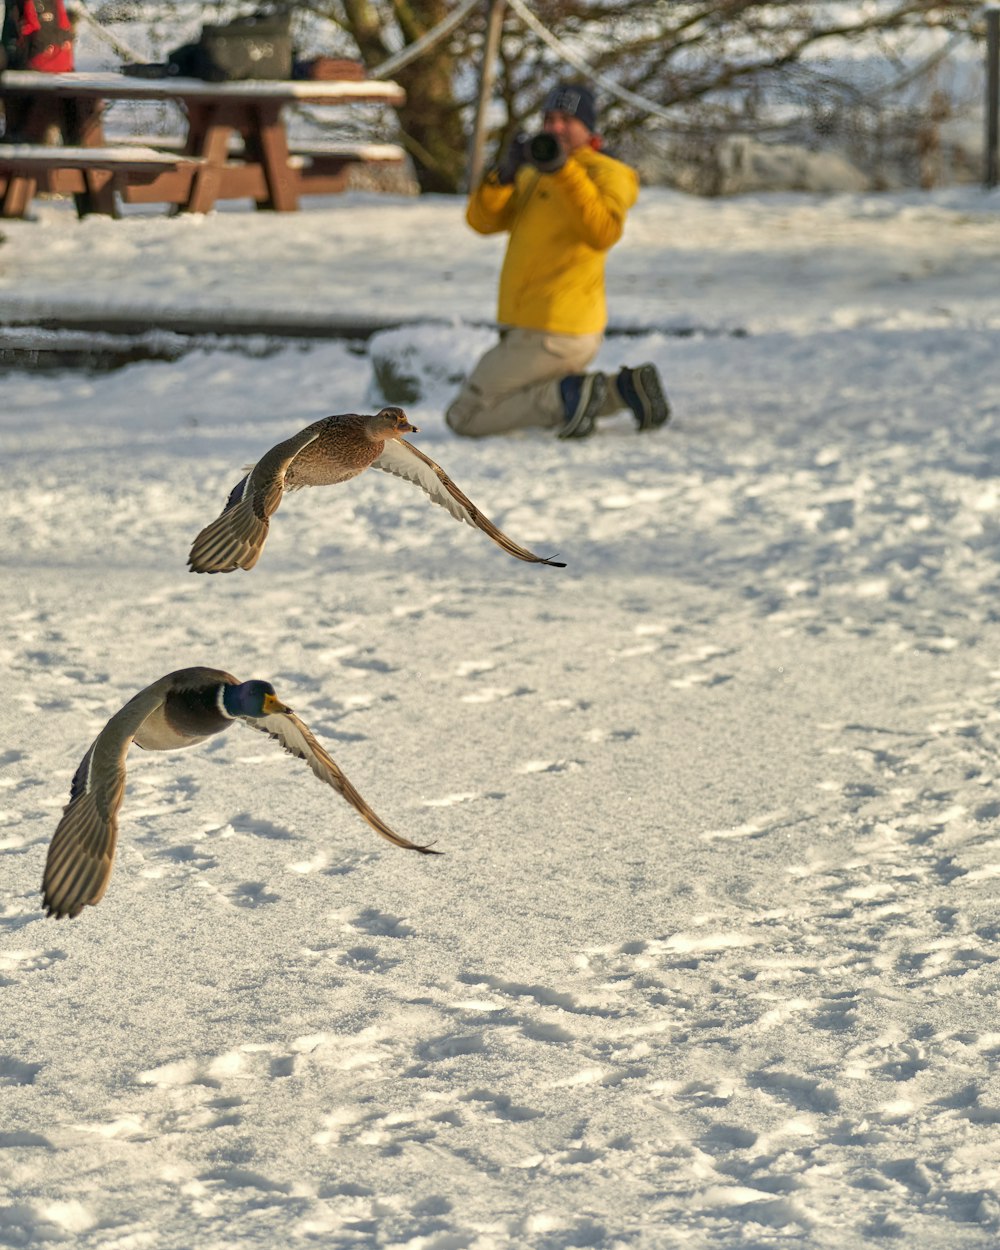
(427, 40)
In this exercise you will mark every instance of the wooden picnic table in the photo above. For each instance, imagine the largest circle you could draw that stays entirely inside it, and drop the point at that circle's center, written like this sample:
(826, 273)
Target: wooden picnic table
(236, 144)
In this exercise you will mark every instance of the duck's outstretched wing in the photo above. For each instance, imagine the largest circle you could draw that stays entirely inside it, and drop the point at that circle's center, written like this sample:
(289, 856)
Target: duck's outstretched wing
(82, 850)
(404, 460)
(235, 539)
(296, 737)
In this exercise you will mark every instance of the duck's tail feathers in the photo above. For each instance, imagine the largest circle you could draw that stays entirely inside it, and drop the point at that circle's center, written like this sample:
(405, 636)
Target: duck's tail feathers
(233, 540)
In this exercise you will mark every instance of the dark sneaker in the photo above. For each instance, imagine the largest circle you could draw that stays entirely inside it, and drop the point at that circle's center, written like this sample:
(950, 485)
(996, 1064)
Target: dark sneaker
(583, 396)
(643, 391)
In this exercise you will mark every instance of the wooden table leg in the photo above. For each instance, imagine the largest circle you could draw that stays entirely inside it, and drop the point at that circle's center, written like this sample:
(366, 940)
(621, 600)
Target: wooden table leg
(84, 122)
(209, 128)
(268, 136)
(18, 196)
(83, 126)
(101, 194)
(28, 119)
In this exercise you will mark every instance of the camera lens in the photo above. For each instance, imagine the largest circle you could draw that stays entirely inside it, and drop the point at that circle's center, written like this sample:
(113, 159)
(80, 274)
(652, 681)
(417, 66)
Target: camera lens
(543, 148)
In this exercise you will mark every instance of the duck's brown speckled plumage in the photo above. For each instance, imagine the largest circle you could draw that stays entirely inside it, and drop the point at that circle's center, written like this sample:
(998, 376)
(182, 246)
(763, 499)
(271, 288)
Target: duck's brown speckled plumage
(327, 452)
(343, 448)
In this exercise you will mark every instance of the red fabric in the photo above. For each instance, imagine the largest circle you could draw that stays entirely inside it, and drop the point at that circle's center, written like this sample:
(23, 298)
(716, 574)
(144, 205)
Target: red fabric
(56, 59)
(29, 23)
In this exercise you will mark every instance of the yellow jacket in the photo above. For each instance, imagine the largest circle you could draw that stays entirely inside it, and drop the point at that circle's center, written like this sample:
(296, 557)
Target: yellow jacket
(561, 226)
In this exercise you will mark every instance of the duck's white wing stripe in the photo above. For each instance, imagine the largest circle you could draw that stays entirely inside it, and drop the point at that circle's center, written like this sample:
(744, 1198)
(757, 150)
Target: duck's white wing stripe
(402, 459)
(297, 739)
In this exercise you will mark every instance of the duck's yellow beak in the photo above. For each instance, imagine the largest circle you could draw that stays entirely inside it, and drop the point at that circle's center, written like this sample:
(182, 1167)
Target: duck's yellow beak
(273, 704)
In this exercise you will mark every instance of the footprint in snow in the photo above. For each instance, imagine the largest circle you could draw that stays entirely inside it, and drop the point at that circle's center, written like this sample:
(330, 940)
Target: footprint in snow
(381, 924)
(700, 679)
(450, 1046)
(249, 894)
(20, 1140)
(610, 735)
(495, 694)
(190, 854)
(366, 959)
(243, 1178)
(245, 822)
(461, 796)
(29, 960)
(17, 1072)
(472, 668)
(500, 1106)
(803, 1092)
(550, 766)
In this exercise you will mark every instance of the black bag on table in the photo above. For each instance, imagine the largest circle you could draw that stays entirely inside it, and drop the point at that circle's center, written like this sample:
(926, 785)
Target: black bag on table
(259, 46)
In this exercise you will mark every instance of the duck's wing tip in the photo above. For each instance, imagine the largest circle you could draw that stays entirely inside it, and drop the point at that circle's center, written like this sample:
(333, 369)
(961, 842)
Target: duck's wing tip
(297, 738)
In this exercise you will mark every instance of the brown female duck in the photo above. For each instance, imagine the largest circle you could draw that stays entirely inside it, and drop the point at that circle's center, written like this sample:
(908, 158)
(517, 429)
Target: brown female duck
(324, 453)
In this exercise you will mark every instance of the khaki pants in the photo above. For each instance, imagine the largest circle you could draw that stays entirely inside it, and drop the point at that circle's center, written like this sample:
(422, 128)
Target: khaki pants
(516, 384)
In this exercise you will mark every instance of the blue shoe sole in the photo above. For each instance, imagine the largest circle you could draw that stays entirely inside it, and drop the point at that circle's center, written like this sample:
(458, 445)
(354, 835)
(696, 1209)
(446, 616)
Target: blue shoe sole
(582, 422)
(653, 403)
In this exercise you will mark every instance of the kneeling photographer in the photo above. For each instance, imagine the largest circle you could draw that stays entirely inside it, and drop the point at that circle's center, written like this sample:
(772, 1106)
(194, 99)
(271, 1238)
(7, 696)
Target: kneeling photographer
(563, 202)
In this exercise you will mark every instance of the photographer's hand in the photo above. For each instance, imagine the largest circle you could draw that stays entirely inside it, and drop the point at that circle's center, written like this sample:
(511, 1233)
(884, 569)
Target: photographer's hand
(510, 162)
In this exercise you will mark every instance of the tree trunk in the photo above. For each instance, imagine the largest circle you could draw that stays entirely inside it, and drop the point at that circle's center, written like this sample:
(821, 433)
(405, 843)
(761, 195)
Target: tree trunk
(432, 126)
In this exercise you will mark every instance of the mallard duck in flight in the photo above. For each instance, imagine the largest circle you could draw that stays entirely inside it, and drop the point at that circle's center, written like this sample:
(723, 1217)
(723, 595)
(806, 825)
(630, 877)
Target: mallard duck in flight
(324, 453)
(180, 710)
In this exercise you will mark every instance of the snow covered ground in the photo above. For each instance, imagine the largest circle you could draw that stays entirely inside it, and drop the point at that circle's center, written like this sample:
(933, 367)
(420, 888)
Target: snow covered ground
(711, 956)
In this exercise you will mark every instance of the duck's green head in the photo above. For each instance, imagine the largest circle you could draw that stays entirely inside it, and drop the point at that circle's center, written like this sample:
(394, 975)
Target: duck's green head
(252, 698)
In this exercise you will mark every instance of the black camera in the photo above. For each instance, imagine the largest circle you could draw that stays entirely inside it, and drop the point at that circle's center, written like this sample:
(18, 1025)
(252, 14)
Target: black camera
(544, 152)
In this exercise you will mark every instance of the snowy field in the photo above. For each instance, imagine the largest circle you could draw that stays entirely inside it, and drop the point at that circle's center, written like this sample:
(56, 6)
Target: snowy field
(710, 959)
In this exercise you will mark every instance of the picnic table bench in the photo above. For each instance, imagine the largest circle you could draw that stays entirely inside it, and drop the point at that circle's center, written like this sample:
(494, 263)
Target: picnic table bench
(320, 167)
(93, 174)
